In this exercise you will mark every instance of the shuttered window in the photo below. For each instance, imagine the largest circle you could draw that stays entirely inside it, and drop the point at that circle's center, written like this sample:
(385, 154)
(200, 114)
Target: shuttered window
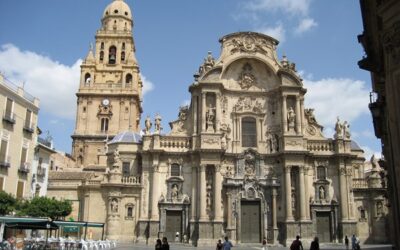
(9, 107)
(321, 173)
(249, 132)
(1, 183)
(28, 118)
(175, 170)
(3, 151)
(23, 156)
(20, 189)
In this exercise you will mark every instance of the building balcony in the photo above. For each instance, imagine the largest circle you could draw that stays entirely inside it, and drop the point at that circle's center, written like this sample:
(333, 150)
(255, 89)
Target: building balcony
(5, 162)
(24, 168)
(30, 128)
(377, 111)
(9, 117)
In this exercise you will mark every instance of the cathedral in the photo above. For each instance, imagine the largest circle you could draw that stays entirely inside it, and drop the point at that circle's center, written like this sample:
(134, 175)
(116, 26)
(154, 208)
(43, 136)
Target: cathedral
(246, 159)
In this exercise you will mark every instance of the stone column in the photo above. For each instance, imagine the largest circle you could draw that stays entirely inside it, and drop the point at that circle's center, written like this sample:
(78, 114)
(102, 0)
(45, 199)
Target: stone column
(203, 193)
(284, 114)
(194, 193)
(307, 191)
(217, 111)
(229, 210)
(194, 113)
(203, 112)
(288, 191)
(302, 114)
(298, 115)
(302, 194)
(154, 195)
(217, 194)
(274, 214)
(343, 193)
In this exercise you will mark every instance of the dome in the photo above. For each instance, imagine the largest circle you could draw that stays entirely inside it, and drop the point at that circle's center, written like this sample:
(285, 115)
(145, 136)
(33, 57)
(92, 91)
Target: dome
(127, 137)
(118, 8)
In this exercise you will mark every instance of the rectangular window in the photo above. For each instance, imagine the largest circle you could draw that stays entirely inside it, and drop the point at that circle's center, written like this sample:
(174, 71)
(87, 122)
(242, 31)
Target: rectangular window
(249, 132)
(175, 170)
(9, 107)
(20, 190)
(3, 151)
(51, 165)
(126, 169)
(321, 174)
(28, 117)
(23, 156)
(1, 183)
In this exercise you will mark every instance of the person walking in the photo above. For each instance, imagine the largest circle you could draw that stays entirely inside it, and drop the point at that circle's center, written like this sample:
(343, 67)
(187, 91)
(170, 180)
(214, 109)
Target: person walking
(219, 245)
(346, 242)
(264, 244)
(296, 244)
(165, 245)
(353, 242)
(227, 245)
(158, 244)
(315, 244)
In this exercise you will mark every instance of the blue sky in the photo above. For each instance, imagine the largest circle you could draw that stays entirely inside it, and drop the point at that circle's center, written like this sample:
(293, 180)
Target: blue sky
(42, 43)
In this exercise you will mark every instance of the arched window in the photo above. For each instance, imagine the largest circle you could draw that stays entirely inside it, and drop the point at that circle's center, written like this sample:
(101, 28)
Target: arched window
(102, 46)
(175, 170)
(128, 78)
(88, 79)
(123, 46)
(112, 55)
(129, 212)
(249, 132)
(104, 124)
(123, 56)
(101, 56)
(321, 173)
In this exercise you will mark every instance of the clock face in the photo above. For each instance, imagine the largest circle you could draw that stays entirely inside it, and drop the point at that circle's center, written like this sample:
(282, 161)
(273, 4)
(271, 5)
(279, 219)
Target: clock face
(105, 102)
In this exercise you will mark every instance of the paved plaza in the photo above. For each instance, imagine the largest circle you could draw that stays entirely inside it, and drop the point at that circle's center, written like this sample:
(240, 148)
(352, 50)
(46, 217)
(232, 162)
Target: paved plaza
(249, 247)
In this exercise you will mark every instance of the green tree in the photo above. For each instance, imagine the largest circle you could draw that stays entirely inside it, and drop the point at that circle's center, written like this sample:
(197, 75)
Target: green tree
(45, 207)
(7, 203)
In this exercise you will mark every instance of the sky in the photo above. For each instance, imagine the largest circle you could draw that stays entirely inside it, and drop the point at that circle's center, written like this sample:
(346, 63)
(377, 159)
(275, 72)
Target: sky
(43, 42)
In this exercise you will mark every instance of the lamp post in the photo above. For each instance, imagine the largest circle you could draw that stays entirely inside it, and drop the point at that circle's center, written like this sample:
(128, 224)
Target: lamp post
(47, 234)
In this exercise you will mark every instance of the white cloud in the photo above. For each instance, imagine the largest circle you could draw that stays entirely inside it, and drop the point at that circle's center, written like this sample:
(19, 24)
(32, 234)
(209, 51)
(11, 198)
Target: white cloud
(53, 83)
(147, 85)
(305, 24)
(278, 32)
(293, 7)
(332, 97)
(368, 152)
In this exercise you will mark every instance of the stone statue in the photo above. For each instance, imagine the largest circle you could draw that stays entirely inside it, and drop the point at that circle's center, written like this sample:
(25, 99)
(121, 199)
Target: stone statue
(346, 130)
(174, 192)
(117, 160)
(321, 193)
(210, 116)
(291, 116)
(338, 129)
(379, 208)
(147, 125)
(157, 124)
(114, 206)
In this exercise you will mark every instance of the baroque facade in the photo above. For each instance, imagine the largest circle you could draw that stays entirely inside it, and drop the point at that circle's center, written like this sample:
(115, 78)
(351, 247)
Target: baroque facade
(245, 159)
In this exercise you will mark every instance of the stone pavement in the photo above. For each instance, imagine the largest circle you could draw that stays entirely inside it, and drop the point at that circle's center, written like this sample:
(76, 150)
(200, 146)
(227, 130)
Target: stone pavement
(174, 246)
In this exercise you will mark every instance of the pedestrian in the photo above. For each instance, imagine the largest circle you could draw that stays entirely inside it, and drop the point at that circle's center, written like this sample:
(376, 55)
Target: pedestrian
(315, 244)
(219, 245)
(158, 244)
(346, 242)
(353, 242)
(264, 244)
(296, 244)
(227, 245)
(164, 245)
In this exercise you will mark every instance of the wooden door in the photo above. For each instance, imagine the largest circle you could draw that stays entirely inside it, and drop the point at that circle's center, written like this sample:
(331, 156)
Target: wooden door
(250, 222)
(324, 226)
(173, 225)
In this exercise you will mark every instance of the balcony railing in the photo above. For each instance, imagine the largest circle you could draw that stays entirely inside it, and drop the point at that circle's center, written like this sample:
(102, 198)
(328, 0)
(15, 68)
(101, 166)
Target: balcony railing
(130, 179)
(5, 162)
(9, 117)
(24, 167)
(360, 183)
(174, 142)
(320, 146)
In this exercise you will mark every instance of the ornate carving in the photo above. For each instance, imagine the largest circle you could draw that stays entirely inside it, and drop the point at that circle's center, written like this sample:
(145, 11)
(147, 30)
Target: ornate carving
(210, 140)
(105, 110)
(178, 126)
(248, 104)
(293, 143)
(246, 78)
(226, 131)
(272, 140)
(321, 193)
(291, 118)
(249, 165)
(342, 131)
(208, 64)
(157, 124)
(114, 205)
(209, 191)
(313, 128)
(248, 43)
(210, 119)
(147, 125)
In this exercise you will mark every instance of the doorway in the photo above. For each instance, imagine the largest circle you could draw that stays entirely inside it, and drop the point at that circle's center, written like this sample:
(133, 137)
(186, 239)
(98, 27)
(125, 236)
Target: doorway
(173, 225)
(250, 222)
(324, 226)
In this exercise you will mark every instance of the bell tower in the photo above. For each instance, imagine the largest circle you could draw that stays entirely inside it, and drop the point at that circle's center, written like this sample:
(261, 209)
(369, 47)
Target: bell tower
(110, 89)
